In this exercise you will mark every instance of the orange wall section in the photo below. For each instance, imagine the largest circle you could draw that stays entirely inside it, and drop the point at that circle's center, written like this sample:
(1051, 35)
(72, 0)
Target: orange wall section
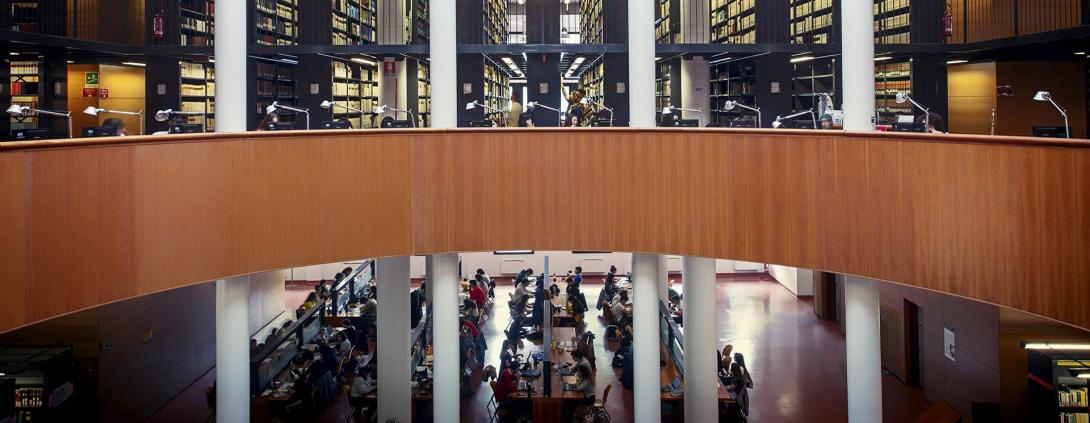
(971, 97)
(76, 101)
(998, 219)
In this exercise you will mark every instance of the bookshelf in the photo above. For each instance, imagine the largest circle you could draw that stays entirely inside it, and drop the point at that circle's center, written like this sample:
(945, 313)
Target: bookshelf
(810, 78)
(663, 85)
(591, 22)
(24, 16)
(423, 93)
(25, 90)
(592, 80)
(495, 21)
(666, 30)
(355, 85)
(275, 82)
(734, 21)
(891, 21)
(354, 22)
(733, 81)
(276, 22)
(421, 15)
(1063, 397)
(811, 21)
(497, 85)
(890, 78)
(196, 22)
(198, 92)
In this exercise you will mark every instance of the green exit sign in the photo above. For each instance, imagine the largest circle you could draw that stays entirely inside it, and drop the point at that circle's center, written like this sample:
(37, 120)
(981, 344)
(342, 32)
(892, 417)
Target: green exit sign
(90, 78)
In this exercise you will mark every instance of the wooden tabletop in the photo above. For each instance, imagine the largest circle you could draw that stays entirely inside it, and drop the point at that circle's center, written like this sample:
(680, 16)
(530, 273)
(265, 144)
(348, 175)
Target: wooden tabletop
(567, 338)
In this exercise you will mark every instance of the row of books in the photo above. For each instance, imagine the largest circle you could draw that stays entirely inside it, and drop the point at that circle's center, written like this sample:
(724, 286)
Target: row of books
(1073, 397)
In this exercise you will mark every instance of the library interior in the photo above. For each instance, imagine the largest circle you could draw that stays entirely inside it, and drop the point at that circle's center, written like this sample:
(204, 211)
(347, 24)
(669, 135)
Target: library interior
(830, 211)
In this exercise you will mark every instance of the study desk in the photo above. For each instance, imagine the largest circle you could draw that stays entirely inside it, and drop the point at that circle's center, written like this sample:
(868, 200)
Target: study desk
(670, 371)
(560, 311)
(550, 409)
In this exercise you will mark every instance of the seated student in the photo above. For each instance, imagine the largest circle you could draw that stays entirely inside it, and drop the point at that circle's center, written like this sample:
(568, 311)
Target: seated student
(487, 281)
(117, 124)
(738, 387)
(507, 382)
(299, 396)
(621, 309)
(526, 120)
(470, 309)
(365, 382)
(671, 292)
(522, 290)
(477, 294)
(322, 289)
(369, 310)
(311, 301)
(578, 303)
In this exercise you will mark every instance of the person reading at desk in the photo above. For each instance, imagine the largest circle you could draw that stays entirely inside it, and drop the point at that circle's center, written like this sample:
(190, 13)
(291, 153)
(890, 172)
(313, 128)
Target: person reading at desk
(621, 308)
(487, 281)
(584, 375)
(506, 383)
(365, 382)
(476, 293)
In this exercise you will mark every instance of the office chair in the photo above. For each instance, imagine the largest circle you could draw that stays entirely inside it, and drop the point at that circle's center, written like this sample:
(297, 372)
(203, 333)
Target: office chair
(492, 405)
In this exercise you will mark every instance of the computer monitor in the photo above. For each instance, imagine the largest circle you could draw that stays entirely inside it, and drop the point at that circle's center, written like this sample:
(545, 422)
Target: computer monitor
(407, 123)
(30, 134)
(600, 122)
(99, 131)
(281, 126)
(185, 128)
(797, 124)
(741, 123)
(909, 127)
(688, 123)
(1050, 131)
(480, 123)
(336, 124)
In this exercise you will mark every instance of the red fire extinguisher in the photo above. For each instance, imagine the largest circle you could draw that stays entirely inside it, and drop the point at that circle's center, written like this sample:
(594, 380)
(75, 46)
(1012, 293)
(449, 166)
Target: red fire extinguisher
(948, 22)
(157, 23)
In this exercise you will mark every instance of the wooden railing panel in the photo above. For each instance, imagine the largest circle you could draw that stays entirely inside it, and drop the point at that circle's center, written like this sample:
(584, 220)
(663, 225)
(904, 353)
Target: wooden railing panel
(997, 219)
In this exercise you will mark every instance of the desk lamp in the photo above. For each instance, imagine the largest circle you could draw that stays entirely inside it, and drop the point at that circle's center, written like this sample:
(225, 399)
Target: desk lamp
(94, 111)
(1047, 96)
(903, 97)
(383, 108)
(730, 105)
(670, 109)
(20, 110)
(779, 120)
(276, 106)
(586, 101)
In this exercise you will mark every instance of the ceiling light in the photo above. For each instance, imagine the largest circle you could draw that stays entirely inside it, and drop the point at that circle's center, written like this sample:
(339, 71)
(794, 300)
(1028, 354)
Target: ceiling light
(133, 64)
(14, 53)
(802, 59)
(956, 62)
(1080, 375)
(882, 58)
(363, 61)
(1063, 347)
(1080, 53)
(70, 61)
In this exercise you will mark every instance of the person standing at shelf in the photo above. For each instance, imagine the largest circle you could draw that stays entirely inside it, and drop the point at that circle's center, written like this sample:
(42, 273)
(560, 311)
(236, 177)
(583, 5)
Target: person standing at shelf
(515, 112)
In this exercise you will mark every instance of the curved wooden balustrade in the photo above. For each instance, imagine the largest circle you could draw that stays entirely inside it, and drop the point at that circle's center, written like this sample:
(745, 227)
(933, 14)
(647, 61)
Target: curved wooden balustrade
(998, 219)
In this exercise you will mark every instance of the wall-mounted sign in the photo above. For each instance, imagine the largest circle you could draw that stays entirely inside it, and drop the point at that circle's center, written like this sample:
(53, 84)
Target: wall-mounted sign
(90, 92)
(467, 88)
(620, 88)
(543, 88)
(90, 79)
(103, 92)
(389, 68)
(1004, 91)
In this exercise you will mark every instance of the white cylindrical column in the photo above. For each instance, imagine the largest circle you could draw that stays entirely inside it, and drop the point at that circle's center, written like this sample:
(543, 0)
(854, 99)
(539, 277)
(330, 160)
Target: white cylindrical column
(864, 353)
(664, 277)
(857, 66)
(645, 342)
(394, 393)
(641, 64)
(230, 55)
(233, 350)
(443, 277)
(429, 287)
(701, 336)
(444, 61)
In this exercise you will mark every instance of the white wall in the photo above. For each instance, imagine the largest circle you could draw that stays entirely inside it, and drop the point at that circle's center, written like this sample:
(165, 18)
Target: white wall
(318, 272)
(799, 281)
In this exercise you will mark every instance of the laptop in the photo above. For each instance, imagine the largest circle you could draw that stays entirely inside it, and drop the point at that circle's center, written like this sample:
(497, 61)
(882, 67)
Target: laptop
(570, 383)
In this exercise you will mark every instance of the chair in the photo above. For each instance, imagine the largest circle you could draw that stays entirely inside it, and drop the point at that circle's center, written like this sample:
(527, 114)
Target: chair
(599, 408)
(492, 405)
